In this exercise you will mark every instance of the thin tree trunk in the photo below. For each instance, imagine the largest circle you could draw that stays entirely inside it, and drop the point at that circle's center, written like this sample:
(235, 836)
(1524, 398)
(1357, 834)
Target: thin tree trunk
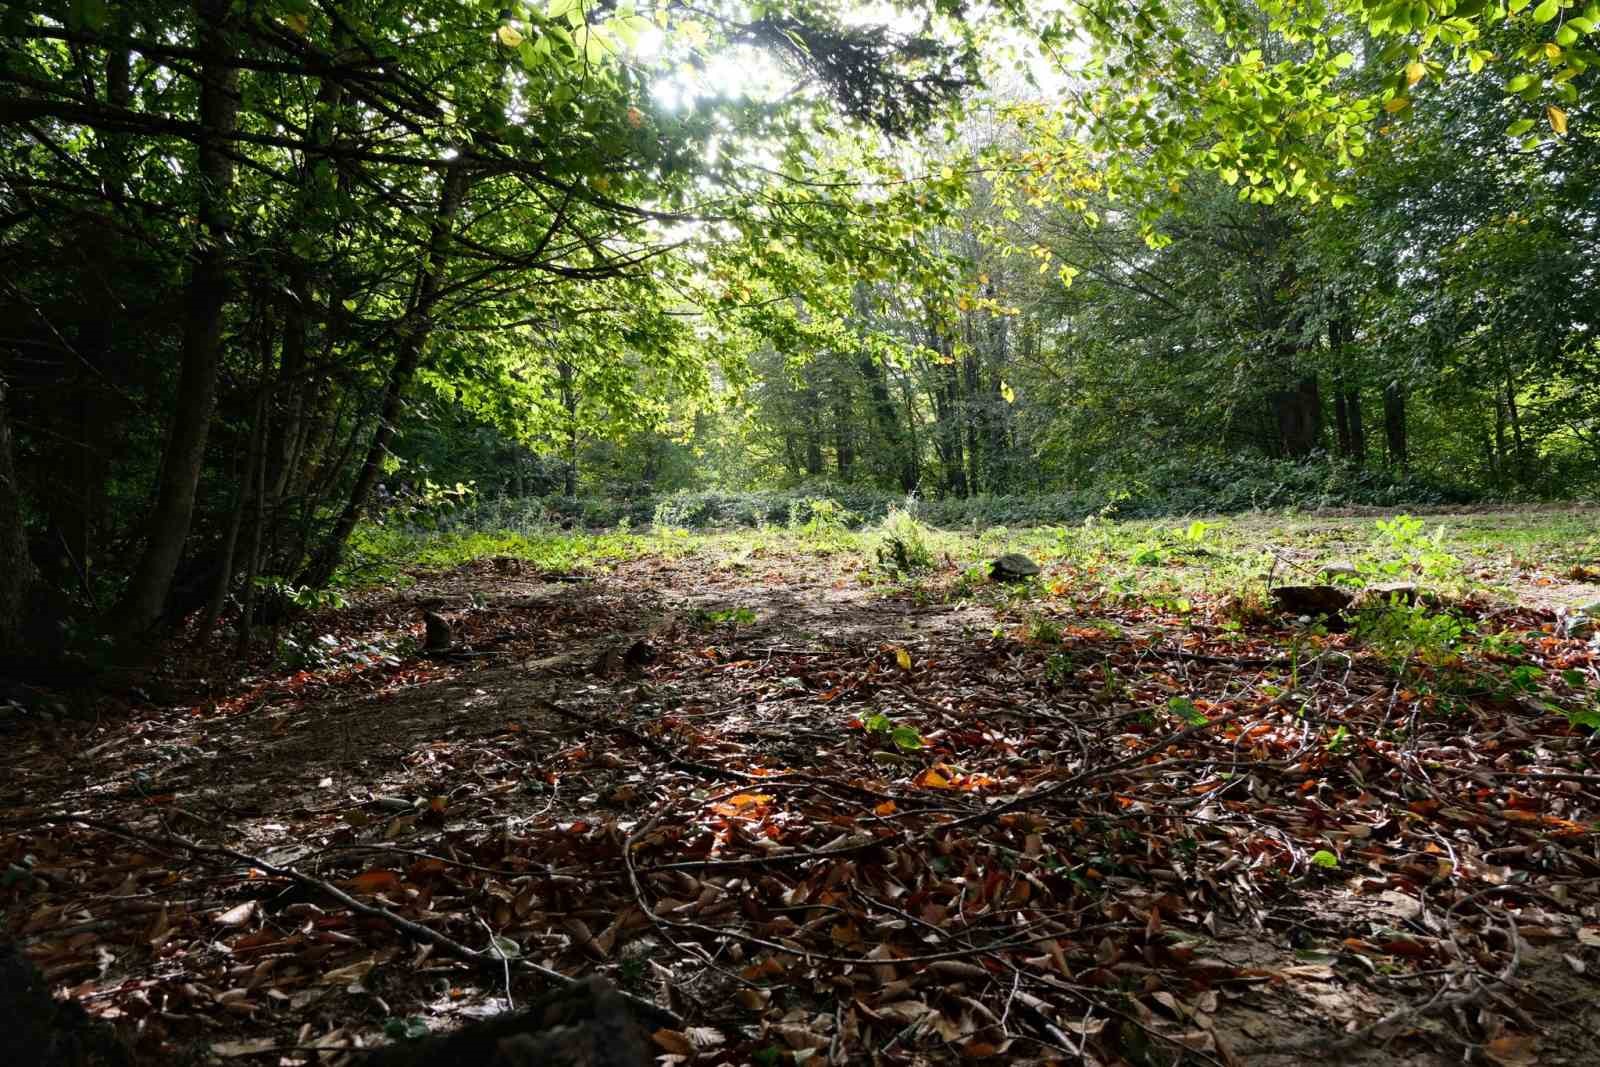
(1358, 434)
(247, 610)
(184, 455)
(1515, 417)
(569, 404)
(1394, 425)
(230, 541)
(1341, 423)
(414, 332)
(15, 562)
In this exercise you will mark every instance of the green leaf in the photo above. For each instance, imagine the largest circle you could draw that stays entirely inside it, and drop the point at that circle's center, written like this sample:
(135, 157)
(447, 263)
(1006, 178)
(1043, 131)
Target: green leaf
(906, 738)
(1519, 83)
(1323, 858)
(1546, 11)
(1589, 717)
(1184, 709)
(1518, 128)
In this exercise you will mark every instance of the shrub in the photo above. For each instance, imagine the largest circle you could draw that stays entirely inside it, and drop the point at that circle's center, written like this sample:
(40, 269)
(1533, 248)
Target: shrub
(904, 547)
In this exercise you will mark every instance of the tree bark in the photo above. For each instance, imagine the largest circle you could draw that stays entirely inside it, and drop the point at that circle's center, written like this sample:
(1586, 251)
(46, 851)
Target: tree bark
(1299, 416)
(205, 302)
(1358, 433)
(569, 404)
(1394, 425)
(15, 563)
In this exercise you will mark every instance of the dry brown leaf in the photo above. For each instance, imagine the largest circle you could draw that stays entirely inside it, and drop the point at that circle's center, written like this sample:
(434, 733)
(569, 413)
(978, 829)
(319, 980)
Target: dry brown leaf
(239, 914)
(254, 1047)
(674, 1042)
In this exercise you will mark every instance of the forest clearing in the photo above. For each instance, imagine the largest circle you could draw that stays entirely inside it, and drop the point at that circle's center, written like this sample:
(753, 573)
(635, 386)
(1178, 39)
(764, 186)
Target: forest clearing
(611, 533)
(1121, 811)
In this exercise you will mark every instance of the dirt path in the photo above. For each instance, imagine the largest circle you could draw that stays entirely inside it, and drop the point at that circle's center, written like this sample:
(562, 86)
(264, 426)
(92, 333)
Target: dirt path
(824, 820)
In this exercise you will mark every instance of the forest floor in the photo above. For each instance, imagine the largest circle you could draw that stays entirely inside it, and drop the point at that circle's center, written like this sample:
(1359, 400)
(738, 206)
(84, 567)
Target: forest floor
(1121, 812)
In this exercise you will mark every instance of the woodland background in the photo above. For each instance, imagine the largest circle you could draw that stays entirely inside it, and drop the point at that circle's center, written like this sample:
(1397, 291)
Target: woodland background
(274, 267)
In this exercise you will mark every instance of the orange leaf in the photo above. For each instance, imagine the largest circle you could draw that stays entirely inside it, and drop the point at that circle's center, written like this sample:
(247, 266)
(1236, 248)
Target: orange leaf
(886, 808)
(376, 880)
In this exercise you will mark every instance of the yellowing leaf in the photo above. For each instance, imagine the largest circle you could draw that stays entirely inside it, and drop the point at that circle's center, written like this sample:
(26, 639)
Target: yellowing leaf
(1558, 119)
(902, 657)
(1415, 72)
(1399, 103)
(298, 23)
(508, 36)
(1007, 393)
(931, 778)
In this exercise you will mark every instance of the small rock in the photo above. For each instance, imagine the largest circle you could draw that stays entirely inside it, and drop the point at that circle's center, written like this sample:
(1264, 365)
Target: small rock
(1339, 568)
(437, 636)
(1312, 599)
(1013, 567)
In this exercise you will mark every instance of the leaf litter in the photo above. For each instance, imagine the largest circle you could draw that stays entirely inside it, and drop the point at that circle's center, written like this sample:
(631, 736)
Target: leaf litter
(827, 821)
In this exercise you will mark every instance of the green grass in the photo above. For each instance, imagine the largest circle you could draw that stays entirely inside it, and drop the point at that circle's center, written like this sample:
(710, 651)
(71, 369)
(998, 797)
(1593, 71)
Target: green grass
(379, 556)
(1173, 559)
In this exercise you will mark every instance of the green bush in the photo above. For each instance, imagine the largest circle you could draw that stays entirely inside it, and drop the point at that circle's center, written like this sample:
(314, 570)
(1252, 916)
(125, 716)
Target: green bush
(1177, 486)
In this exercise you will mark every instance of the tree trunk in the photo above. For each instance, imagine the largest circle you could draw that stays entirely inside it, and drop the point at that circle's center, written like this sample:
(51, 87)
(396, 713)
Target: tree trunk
(1358, 433)
(230, 541)
(1520, 455)
(569, 404)
(184, 454)
(843, 448)
(1394, 425)
(15, 562)
(1341, 423)
(414, 332)
(1299, 416)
